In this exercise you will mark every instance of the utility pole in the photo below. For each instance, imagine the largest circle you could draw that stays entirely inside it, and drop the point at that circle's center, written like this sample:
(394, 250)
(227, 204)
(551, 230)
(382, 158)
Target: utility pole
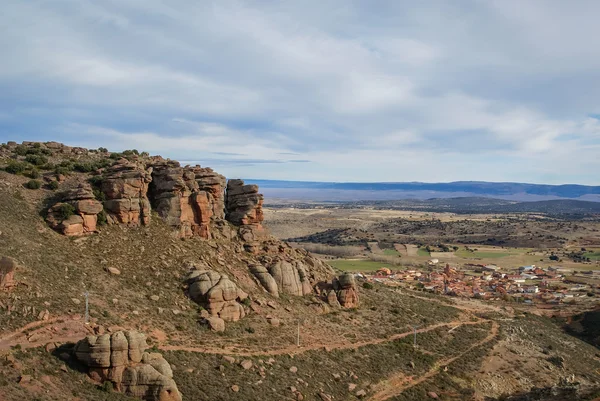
(415, 336)
(87, 308)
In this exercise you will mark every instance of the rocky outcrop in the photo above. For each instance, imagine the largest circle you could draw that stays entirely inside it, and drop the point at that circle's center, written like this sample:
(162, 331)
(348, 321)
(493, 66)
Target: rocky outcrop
(8, 266)
(120, 358)
(291, 277)
(243, 208)
(345, 289)
(187, 198)
(125, 185)
(77, 213)
(243, 204)
(217, 293)
(265, 279)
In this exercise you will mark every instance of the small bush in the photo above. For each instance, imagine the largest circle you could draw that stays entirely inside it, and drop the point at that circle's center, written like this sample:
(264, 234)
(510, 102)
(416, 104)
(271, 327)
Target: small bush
(65, 211)
(33, 184)
(53, 185)
(102, 220)
(36, 160)
(34, 173)
(102, 150)
(15, 167)
(367, 286)
(115, 156)
(21, 150)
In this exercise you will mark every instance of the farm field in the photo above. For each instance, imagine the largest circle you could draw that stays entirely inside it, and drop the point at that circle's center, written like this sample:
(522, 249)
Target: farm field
(359, 265)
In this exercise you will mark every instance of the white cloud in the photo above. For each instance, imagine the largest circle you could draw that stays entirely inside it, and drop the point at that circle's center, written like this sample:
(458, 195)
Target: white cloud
(401, 91)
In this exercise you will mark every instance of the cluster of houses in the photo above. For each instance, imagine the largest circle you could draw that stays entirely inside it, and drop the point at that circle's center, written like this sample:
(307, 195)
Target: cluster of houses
(527, 284)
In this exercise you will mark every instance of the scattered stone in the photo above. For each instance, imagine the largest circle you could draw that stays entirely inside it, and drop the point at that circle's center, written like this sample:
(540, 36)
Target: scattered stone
(154, 297)
(293, 369)
(433, 395)
(23, 379)
(75, 301)
(235, 388)
(351, 386)
(113, 270)
(216, 324)
(274, 321)
(246, 364)
(324, 397)
(361, 393)
(272, 304)
(229, 359)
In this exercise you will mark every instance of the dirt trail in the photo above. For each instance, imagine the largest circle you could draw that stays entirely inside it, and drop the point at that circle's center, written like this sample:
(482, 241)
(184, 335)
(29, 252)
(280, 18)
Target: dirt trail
(60, 329)
(294, 350)
(398, 383)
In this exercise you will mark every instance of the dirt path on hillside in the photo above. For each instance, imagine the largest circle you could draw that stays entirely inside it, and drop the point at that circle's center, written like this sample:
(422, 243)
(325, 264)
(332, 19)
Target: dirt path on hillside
(398, 383)
(60, 329)
(295, 350)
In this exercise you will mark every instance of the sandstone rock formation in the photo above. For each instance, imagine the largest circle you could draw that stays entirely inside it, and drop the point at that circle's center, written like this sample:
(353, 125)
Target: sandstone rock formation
(125, 185)
(217, 293)
(7, 273)
(265, 279)
(345, 288)
(243, 208)
(121, 359)
(291, 277)
(77, 213)
(189, 199)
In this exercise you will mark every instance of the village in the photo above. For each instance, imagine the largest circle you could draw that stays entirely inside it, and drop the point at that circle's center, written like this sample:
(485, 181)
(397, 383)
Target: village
(526, 284)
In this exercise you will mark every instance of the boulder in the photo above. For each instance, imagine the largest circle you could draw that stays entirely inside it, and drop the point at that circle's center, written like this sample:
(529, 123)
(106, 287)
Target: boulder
(345, 289)
(265, 279)
(8, 266)
(290, 277)
(120, 358)
(217, 293)
(216, 323)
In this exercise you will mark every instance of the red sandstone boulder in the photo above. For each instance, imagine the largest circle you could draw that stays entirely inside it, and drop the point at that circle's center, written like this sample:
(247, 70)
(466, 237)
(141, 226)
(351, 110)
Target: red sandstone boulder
(120, 358)
(217, 293)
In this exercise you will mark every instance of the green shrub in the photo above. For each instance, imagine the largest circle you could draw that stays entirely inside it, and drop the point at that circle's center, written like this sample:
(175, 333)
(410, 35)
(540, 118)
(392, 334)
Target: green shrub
(21, 150)
(65, 211)
(102, 150)
(102, 220)
(15, 167)
(130, 152)
(33, 184)
(367, 286)
(115, 156)
(36, 160)
(34, 173)
(53, 185)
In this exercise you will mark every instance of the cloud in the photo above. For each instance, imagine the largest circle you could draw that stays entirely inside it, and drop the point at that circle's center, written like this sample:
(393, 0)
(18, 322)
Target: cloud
(332, 90)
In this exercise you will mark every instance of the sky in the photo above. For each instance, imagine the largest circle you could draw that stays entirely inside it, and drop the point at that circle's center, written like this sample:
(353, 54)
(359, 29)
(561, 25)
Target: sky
(321, 90)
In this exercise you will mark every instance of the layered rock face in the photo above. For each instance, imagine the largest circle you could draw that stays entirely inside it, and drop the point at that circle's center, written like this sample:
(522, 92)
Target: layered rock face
(121, 359)
(243, 208)
(77, 213)
(125, 185)
(217, 293)
(7, 273)
(346, 292)
(188, 198)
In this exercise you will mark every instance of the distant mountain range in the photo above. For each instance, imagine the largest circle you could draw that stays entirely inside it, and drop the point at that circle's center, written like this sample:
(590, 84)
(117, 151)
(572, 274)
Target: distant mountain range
(350, 191)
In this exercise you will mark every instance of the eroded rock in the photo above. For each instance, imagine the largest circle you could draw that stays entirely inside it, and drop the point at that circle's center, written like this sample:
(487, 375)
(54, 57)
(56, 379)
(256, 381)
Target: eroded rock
(217, 293)
(125, 185)
(120, 358)
(77, 212)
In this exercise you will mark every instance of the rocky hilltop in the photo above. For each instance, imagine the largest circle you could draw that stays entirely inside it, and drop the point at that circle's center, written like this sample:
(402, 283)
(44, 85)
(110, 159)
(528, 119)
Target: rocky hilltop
(128, 276)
